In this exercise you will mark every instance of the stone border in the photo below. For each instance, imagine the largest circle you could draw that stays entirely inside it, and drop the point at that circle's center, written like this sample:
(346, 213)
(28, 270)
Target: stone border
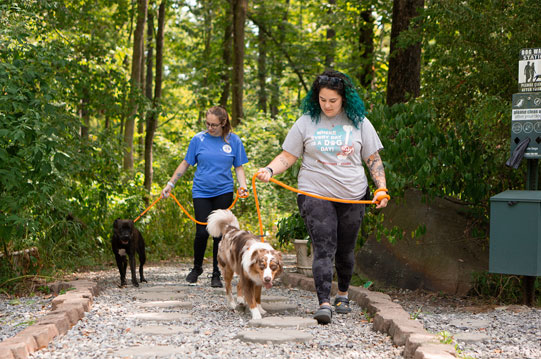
(389, 318)
(67, 310)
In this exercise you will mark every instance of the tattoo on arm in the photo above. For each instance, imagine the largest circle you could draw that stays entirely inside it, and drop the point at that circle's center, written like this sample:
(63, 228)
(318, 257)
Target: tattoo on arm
(377, 172)
(284, 162)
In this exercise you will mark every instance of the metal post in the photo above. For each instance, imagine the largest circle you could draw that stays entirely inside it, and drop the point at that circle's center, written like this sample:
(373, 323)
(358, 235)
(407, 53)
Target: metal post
(533, 175)
(528, 282)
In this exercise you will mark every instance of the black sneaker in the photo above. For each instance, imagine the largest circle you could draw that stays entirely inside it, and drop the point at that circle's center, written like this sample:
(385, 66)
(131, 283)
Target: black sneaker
(215, 282)
(192, 276)
(341, 305)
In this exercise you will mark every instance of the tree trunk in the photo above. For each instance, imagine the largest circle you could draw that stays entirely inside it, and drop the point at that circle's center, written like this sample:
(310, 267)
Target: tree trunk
(226, 55)
(152, 120)
(262, 63)
(404, 79)
(331, 33)
(207, 37)
(277, 67)
(135, 82)
(150, 55)
(239, 17)
(366, 49)
(146, 81)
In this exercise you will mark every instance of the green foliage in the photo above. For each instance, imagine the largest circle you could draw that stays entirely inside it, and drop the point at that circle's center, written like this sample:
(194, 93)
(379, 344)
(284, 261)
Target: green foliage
(358, 281)
(290, 228)
(446, 337)
(502, 288)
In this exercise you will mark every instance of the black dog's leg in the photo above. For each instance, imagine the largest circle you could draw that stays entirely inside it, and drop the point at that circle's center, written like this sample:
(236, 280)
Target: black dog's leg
(132, 270)
(121, 264)
(142, 258)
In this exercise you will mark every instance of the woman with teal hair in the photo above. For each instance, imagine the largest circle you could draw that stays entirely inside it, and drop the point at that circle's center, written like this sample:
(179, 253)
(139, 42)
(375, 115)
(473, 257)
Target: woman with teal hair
(333, 137)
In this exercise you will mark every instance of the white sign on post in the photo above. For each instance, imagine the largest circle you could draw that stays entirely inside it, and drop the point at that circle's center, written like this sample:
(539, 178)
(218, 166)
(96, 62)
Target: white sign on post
(529, 70)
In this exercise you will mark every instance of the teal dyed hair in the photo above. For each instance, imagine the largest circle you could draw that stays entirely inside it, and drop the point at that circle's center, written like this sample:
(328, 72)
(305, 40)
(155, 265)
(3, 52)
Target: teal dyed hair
(351, 102)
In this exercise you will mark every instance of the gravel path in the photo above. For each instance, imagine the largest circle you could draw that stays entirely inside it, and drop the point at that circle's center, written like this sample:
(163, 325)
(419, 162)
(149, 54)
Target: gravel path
(107, 330)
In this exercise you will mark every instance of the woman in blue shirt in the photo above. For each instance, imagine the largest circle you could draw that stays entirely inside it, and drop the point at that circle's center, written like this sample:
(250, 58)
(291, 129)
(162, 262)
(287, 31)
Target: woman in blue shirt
(214, 151)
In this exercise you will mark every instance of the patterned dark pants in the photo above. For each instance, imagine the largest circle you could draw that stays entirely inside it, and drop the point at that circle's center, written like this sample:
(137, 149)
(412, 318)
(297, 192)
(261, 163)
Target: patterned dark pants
(202, 208)
(333, 228)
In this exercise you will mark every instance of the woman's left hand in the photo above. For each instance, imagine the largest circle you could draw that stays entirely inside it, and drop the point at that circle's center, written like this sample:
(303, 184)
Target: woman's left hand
(243, 192)
(381, 198)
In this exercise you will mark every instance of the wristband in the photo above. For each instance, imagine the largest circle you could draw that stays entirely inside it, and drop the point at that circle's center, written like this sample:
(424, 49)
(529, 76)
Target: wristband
(171, 184)
(270, 170)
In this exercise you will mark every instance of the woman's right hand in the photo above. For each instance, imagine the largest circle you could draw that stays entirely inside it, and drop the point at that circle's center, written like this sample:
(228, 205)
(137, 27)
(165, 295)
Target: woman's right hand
(263, 174)
(167, 191)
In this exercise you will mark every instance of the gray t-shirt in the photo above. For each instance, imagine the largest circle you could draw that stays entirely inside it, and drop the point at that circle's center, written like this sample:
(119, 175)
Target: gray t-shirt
(331, 152)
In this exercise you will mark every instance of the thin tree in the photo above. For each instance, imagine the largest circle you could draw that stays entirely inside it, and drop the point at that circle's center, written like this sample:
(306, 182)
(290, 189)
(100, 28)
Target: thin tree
(239, 18)
(152, 119)
(147, 77)
(277, 64)
(135, 82)
(262, 63)
(207, 37)
(330, 35)
(404, 78)
(226, 54)
(366, 48)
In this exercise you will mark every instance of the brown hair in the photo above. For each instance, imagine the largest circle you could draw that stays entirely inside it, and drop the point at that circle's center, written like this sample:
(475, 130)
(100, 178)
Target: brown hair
(222, 115)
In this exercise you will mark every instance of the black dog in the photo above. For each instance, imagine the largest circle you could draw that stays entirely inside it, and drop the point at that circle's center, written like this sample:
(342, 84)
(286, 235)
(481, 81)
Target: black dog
(126, 241)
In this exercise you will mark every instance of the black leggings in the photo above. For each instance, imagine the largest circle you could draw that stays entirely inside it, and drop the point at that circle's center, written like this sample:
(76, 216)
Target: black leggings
(202, 208)
(333, 228)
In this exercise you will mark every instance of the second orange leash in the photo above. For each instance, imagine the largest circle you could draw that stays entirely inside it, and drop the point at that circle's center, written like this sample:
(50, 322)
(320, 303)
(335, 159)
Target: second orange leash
(204, 223)
(301, 192)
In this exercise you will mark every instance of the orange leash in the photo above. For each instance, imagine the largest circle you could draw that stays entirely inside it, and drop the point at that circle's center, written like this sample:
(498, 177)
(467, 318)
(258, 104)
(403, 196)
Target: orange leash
(149, 207)
(307, 194)
(205, 223)
(183, 209)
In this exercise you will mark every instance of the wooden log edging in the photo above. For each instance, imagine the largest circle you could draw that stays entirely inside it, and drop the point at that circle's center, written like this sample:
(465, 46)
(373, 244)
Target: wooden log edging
(67, 310)
(388, 318)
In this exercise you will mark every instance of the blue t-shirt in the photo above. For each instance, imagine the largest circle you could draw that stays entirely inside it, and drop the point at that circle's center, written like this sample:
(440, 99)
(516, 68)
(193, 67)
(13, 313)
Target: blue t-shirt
(214, 158)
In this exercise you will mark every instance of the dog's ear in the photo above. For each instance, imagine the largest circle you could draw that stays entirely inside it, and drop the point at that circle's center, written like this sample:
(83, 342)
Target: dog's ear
(278, 255)
(255, 255)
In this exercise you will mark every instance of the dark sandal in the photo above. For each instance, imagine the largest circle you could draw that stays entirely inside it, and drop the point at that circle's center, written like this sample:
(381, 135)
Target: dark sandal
(324, 314)
(341, 305)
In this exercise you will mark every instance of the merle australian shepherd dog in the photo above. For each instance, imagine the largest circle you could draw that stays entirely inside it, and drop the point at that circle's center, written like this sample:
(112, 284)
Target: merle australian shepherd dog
(256, 263)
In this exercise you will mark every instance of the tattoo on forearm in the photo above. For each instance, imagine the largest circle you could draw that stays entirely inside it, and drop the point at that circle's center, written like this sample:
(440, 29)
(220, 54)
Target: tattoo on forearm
(377, 171)
(284, 162)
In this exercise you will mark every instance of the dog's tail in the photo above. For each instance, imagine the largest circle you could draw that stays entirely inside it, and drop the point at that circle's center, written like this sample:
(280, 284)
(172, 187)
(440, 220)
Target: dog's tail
(220, 218)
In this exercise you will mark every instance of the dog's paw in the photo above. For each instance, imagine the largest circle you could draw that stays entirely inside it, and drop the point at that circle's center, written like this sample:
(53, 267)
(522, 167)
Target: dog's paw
(135, 284)
(261, 310)
(143, 280)
(255, 313)
(232, 304)
(241, 300)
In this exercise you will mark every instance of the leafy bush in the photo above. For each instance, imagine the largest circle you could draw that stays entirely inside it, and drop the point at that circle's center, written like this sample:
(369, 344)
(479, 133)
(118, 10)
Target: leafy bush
(502, 288)
(290, 228)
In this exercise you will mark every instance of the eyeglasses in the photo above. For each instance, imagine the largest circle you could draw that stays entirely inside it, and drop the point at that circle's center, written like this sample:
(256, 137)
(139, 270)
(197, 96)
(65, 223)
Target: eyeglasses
(213, 125)
(324, 80)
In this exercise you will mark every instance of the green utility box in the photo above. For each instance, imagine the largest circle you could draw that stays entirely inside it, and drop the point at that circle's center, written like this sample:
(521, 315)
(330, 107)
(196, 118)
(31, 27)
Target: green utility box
(515, 233)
